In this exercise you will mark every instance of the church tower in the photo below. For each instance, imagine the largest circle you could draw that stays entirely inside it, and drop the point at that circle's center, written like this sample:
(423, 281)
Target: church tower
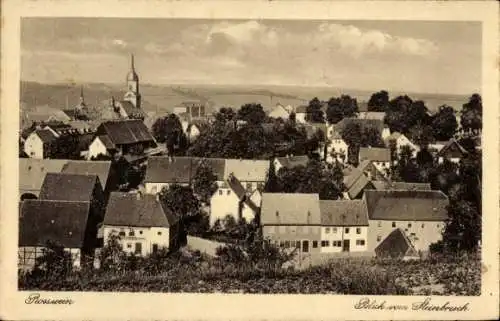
(132, 93)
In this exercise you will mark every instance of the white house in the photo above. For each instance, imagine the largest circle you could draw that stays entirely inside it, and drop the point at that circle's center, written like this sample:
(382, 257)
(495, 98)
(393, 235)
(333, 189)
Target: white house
(452, 151)
(401, 140)
(300, 114)
(251, 173)
(344, 226)
(37, 144)
(281, 111)
(101, 145)
(232, 199)
(142, 223)
(337, 148)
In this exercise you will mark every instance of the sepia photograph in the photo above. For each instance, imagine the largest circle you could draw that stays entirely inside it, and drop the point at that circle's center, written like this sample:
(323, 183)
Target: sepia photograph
(252, 156)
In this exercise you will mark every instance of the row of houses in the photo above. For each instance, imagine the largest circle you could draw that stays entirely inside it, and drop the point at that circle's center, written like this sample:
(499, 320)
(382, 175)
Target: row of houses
(382, 222)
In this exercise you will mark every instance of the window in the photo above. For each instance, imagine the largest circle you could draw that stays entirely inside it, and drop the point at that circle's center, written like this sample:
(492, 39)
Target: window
(337, 243)
(140, 232)
(358, 230)
(155, 248)
(360, 242)
(138, 248)
(325, 243)
(409, 225)
(327, 230)
(249, 185)
(282, 244)
(297, 244)
(287, 244)
(346, 230)
(334, 230)
(406, 230)
(131, 233)
(315, 244)
(228, 192)
(220, 192)
(412, 234)
(379, 238)
(159, 233)
(129, 245)
(379, 224)
(393, 224)
(423, 225)
(122, 233)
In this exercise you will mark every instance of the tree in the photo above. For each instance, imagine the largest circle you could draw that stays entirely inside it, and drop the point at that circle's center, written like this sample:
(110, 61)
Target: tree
(314, 112)
(472, 114)
(55, 261)
(169, 130)
(378, 101)
(204, 182)
(444, 123)
(338, 108)
(112, 256)
(463, 227)
(272, 180)
(66, 146)
(252, 113)
(356, 136)
(406, 168)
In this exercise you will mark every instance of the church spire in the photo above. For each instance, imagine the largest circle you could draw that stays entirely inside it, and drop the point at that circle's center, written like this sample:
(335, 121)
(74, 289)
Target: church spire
(132, 66)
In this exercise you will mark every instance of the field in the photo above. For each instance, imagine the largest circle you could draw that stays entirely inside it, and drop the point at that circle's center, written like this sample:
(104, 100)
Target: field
(457, 275)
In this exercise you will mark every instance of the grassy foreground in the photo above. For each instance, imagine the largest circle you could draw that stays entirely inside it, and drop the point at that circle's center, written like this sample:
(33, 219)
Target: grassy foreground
(456, 275)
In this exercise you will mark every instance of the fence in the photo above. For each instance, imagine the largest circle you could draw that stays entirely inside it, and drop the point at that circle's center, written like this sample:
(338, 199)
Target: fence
(203, 245)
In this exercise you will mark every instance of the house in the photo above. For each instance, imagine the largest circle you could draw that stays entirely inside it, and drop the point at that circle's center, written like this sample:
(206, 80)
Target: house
(344, 226)
(141, 222)
(232, 199)
(250, 172)
(163, 171)
(76, 188)
(401, 186)
(102, 169)
(452, 151)
(360, 178)
(125, 137)
(396, 245)
(32, 173)
(38, 143)
(281, 111)
(193, 128)
(292, 220)
(336, 149)
(300, 114)
(379, 157)
(401, 140)
(420, 214)
(69, 224)
(191, 109)
(290, 162)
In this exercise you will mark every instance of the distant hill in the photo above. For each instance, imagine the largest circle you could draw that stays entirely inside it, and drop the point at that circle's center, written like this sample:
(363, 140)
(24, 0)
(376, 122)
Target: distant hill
(163, 98)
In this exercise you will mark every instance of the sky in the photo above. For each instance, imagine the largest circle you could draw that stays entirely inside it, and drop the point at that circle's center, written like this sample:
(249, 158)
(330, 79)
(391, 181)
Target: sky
(413, 56)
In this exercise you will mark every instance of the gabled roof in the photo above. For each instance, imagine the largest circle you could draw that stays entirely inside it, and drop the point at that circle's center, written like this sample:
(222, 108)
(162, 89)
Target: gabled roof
(290, 209)
(106, 141)
(99, 168)
(68, 187)
(247, 170)
(162, 169)
(129, 209)
(235, 185)
(125, 131)
(393, 136)
(46, 135)
(396, 245)
(293, 161)
(130, 109)
(406, 205)
(356, 180)
(385, 185)
(375, 154)
(343, 213)
(358, 186)
(32, 172)
(301, 109)
(452, 149)
(58, 221)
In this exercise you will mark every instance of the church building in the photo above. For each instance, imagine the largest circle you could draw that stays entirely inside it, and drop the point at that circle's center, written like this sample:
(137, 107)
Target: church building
(130, 106)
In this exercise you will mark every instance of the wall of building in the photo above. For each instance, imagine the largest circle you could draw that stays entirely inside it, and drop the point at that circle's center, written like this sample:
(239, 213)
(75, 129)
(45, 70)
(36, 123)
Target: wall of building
(146, 236)
(337, 146)
(334, 238)
(96, 148)
(287, 234)
(421, 233)
(224, 202)
(33, 146)
(27, 256)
